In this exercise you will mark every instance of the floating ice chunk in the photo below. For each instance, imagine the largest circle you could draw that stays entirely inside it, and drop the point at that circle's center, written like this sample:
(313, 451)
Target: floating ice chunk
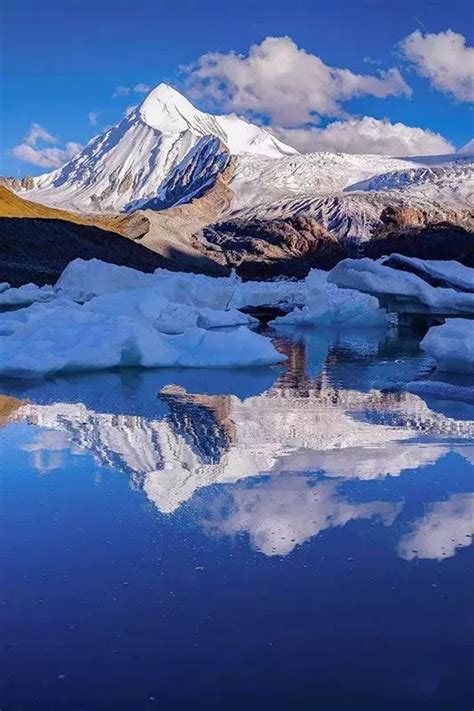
(64, 336)
(327, 305)
(82, 280)
(166, 316)
(24, 295)
(451, 345)
(269, 293)
(448, 273)
(398, 290)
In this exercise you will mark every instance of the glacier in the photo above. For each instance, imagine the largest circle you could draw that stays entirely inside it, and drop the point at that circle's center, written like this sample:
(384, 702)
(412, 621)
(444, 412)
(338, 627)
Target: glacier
(451, 345)
(130, 161)
(167, 152)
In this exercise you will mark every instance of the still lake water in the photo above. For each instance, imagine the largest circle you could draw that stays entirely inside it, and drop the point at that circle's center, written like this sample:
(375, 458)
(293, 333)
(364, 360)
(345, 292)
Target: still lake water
(296, 537)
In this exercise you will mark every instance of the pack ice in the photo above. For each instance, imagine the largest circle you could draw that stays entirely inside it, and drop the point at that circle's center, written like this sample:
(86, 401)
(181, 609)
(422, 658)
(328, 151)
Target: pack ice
(101, 316)
(327, 305)
(409, 285)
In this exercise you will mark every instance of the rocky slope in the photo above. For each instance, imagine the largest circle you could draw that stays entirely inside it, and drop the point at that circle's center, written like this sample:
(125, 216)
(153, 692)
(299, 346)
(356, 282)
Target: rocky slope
(37, 251)
(12, 205)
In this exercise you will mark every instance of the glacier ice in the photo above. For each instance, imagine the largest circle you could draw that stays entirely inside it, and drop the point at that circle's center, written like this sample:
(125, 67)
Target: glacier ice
(65, 337)
(102, 316)
(451, 345)
(445, 273)
(328, 305)
(23, 295)
(403, 291)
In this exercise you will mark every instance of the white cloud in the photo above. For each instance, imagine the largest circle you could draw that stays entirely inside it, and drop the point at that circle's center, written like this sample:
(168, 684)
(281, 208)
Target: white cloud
(38, 133)
(46, 157)
(444, 59)
(93, 116)
(285, 83)
(366, 135)
(140, 88)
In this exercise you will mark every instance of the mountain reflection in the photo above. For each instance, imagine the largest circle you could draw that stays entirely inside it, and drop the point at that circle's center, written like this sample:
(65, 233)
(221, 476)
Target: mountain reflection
(322, 419)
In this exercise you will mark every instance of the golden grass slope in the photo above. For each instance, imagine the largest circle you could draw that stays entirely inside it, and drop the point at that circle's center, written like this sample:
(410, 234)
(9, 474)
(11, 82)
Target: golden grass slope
(12, 205)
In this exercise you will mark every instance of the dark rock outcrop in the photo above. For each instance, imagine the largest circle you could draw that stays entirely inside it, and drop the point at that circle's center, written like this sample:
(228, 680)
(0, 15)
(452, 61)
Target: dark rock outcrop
(441, 241)
(37, 250)
(267, 248)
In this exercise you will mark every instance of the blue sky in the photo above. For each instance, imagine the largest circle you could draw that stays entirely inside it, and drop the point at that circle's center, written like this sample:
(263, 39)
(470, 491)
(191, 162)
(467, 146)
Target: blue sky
(62, 61)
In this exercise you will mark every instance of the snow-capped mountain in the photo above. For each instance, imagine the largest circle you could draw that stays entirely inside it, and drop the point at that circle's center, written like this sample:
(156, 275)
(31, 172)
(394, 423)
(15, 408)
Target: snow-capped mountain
(468, 149)
(347, 193)
(131, 160)
(167, 153)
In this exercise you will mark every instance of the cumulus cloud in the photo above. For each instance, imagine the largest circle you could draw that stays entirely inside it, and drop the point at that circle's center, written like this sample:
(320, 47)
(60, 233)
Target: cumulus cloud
(444, 59)
(140, 88)
(93, 116)
(366, 135)
(289, 85)
(44, 157)
(38, 133)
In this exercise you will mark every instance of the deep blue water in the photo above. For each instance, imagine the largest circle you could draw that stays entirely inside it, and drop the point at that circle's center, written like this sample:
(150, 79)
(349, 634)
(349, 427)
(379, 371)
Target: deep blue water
(295, 537)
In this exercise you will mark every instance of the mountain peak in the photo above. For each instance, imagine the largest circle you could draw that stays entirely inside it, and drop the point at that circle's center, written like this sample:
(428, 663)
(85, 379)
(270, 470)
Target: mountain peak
(468, 149)
(167, 110)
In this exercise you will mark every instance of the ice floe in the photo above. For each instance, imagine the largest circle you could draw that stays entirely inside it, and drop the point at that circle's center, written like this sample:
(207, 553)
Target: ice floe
(82, 280)
(326, 304)
(66, 337)
(407, 292)
(451, 345)
(101, 315)
(447, 273)
(24, 295)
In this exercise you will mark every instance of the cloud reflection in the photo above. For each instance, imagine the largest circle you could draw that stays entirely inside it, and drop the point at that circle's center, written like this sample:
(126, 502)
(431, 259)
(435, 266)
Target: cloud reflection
(286, 511)
(445, 527)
